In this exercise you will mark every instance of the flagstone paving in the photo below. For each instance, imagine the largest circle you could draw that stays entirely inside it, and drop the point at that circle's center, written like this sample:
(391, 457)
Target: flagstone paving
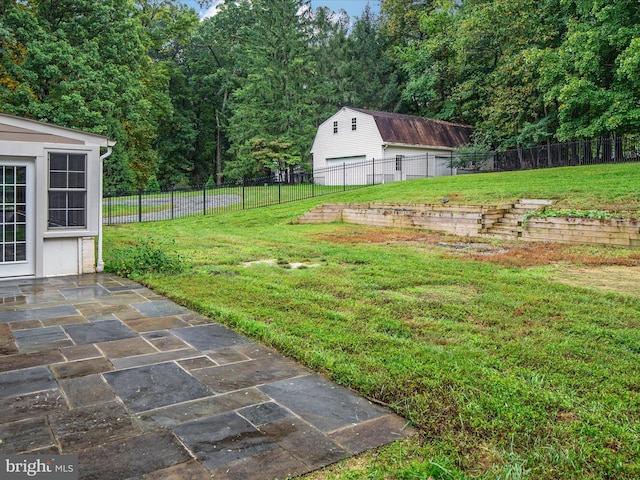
(142, 388)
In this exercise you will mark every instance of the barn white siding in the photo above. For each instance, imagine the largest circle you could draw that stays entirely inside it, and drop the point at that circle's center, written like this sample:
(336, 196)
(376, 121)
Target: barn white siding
(349, 148)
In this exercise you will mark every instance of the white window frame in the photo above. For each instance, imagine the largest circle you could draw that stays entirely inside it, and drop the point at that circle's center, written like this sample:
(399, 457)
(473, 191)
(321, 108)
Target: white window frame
(68, 191)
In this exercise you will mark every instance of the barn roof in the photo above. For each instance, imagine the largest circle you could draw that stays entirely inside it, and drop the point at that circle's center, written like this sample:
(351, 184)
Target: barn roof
(409, 130)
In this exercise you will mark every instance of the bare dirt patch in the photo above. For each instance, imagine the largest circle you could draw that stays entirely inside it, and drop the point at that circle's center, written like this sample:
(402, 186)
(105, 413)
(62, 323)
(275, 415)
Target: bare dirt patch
(605, 268)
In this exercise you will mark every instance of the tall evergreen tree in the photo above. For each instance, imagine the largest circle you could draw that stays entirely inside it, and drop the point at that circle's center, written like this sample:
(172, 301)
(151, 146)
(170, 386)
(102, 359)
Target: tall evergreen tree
(274, 102)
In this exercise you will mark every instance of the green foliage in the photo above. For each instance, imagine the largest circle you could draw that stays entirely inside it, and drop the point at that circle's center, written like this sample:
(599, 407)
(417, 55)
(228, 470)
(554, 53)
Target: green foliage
(152, 185)
(144, 258)
(573, 213)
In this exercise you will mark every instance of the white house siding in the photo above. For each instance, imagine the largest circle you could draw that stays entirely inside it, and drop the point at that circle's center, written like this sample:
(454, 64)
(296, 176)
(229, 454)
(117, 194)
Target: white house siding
(52, 251)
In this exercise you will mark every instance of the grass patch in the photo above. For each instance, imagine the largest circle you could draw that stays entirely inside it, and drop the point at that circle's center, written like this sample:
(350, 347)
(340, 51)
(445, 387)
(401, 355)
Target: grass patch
(507, 370)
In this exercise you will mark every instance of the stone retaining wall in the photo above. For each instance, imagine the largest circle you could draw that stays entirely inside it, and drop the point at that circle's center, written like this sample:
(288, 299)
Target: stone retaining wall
(479, 221)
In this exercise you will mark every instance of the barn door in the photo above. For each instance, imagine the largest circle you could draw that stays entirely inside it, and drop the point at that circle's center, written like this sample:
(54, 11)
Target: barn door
(16, 219)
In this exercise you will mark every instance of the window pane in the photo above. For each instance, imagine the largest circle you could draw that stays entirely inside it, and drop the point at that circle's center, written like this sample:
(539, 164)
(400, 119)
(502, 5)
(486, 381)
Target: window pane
(57, 161)
(21, 214)
(9, 253)
(76, 218)
(8, 233)
(76, 199)
(21, 233)
(9, 176)
(57, 200)
(57, 218)
(9, 215)
(76, 163)
(21, 177)
(58, 180)
(9, 196)
(21, 194)
(21, 252)
(76, 180)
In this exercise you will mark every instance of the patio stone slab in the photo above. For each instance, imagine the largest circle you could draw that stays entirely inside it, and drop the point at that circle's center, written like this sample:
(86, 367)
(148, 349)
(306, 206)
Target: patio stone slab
(80, 352)
(92, 425)
(321, 403)
(247, 374)
(196, 363)
(222, 439)
(29, 380)
(159, 308)
(81, 368)
(210, 337)
(28, 360)
(38, 339)
(38, 313)
(132, 457)
(97, 332)
(153, 386)
(153, 324)
(364, 436)
(206, 407)
(151, 358)
(165, 341)
(85, 293)
(304, 442)
(185, 471)
(31, 405)
(274, 464)
(223, 356)
(25, 436)
(127, 347)
(24, 325)
(264, 413)
(88, 390)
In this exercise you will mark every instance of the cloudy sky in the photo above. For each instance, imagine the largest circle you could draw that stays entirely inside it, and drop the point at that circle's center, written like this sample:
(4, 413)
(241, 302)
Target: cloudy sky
(353, 7)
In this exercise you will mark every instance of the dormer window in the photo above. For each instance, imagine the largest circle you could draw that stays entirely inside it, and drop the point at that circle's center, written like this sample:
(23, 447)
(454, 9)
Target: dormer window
(335, 127)
(354, 124)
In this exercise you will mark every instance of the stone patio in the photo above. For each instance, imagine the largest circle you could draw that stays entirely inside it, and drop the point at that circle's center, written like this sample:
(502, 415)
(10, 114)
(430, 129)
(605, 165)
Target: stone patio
(140, 387)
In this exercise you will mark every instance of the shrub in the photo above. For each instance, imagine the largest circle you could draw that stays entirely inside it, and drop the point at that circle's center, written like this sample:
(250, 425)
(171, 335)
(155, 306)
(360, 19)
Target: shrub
(144, 258)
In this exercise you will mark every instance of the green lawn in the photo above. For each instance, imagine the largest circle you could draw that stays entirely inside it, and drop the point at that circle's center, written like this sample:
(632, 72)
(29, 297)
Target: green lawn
(506, 372)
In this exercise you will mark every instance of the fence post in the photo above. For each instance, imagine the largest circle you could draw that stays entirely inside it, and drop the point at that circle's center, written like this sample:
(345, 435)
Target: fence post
(109, 208)
(204, 199)
(172, 203)
(279, 192)
(140, 205)
(243, 207)
(344, 176)
(373, 168)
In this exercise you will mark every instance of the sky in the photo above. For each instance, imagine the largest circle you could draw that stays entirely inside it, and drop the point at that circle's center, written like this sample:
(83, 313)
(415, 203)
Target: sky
(353, 7)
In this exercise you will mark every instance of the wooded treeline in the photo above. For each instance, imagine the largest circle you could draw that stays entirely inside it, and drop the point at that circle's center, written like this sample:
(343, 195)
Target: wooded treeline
(242, 92)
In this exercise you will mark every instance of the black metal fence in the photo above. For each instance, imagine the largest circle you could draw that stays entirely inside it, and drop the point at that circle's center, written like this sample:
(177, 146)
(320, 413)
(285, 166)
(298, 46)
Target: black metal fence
(145, 206)
(583, 152)
(141, 206)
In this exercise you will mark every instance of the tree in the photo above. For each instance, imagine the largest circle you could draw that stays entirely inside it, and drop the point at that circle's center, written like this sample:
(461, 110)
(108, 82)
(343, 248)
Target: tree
(275, 100)
(83, 64)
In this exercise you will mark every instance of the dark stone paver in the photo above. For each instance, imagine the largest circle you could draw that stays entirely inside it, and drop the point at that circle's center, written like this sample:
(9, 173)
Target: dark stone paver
(132, 457)
(160, 308)
(25, 436)
(153, 386)
(29, 380)
(210, 337)
(322, 404)
(222, 439)
(141, 388)
(97, 332)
